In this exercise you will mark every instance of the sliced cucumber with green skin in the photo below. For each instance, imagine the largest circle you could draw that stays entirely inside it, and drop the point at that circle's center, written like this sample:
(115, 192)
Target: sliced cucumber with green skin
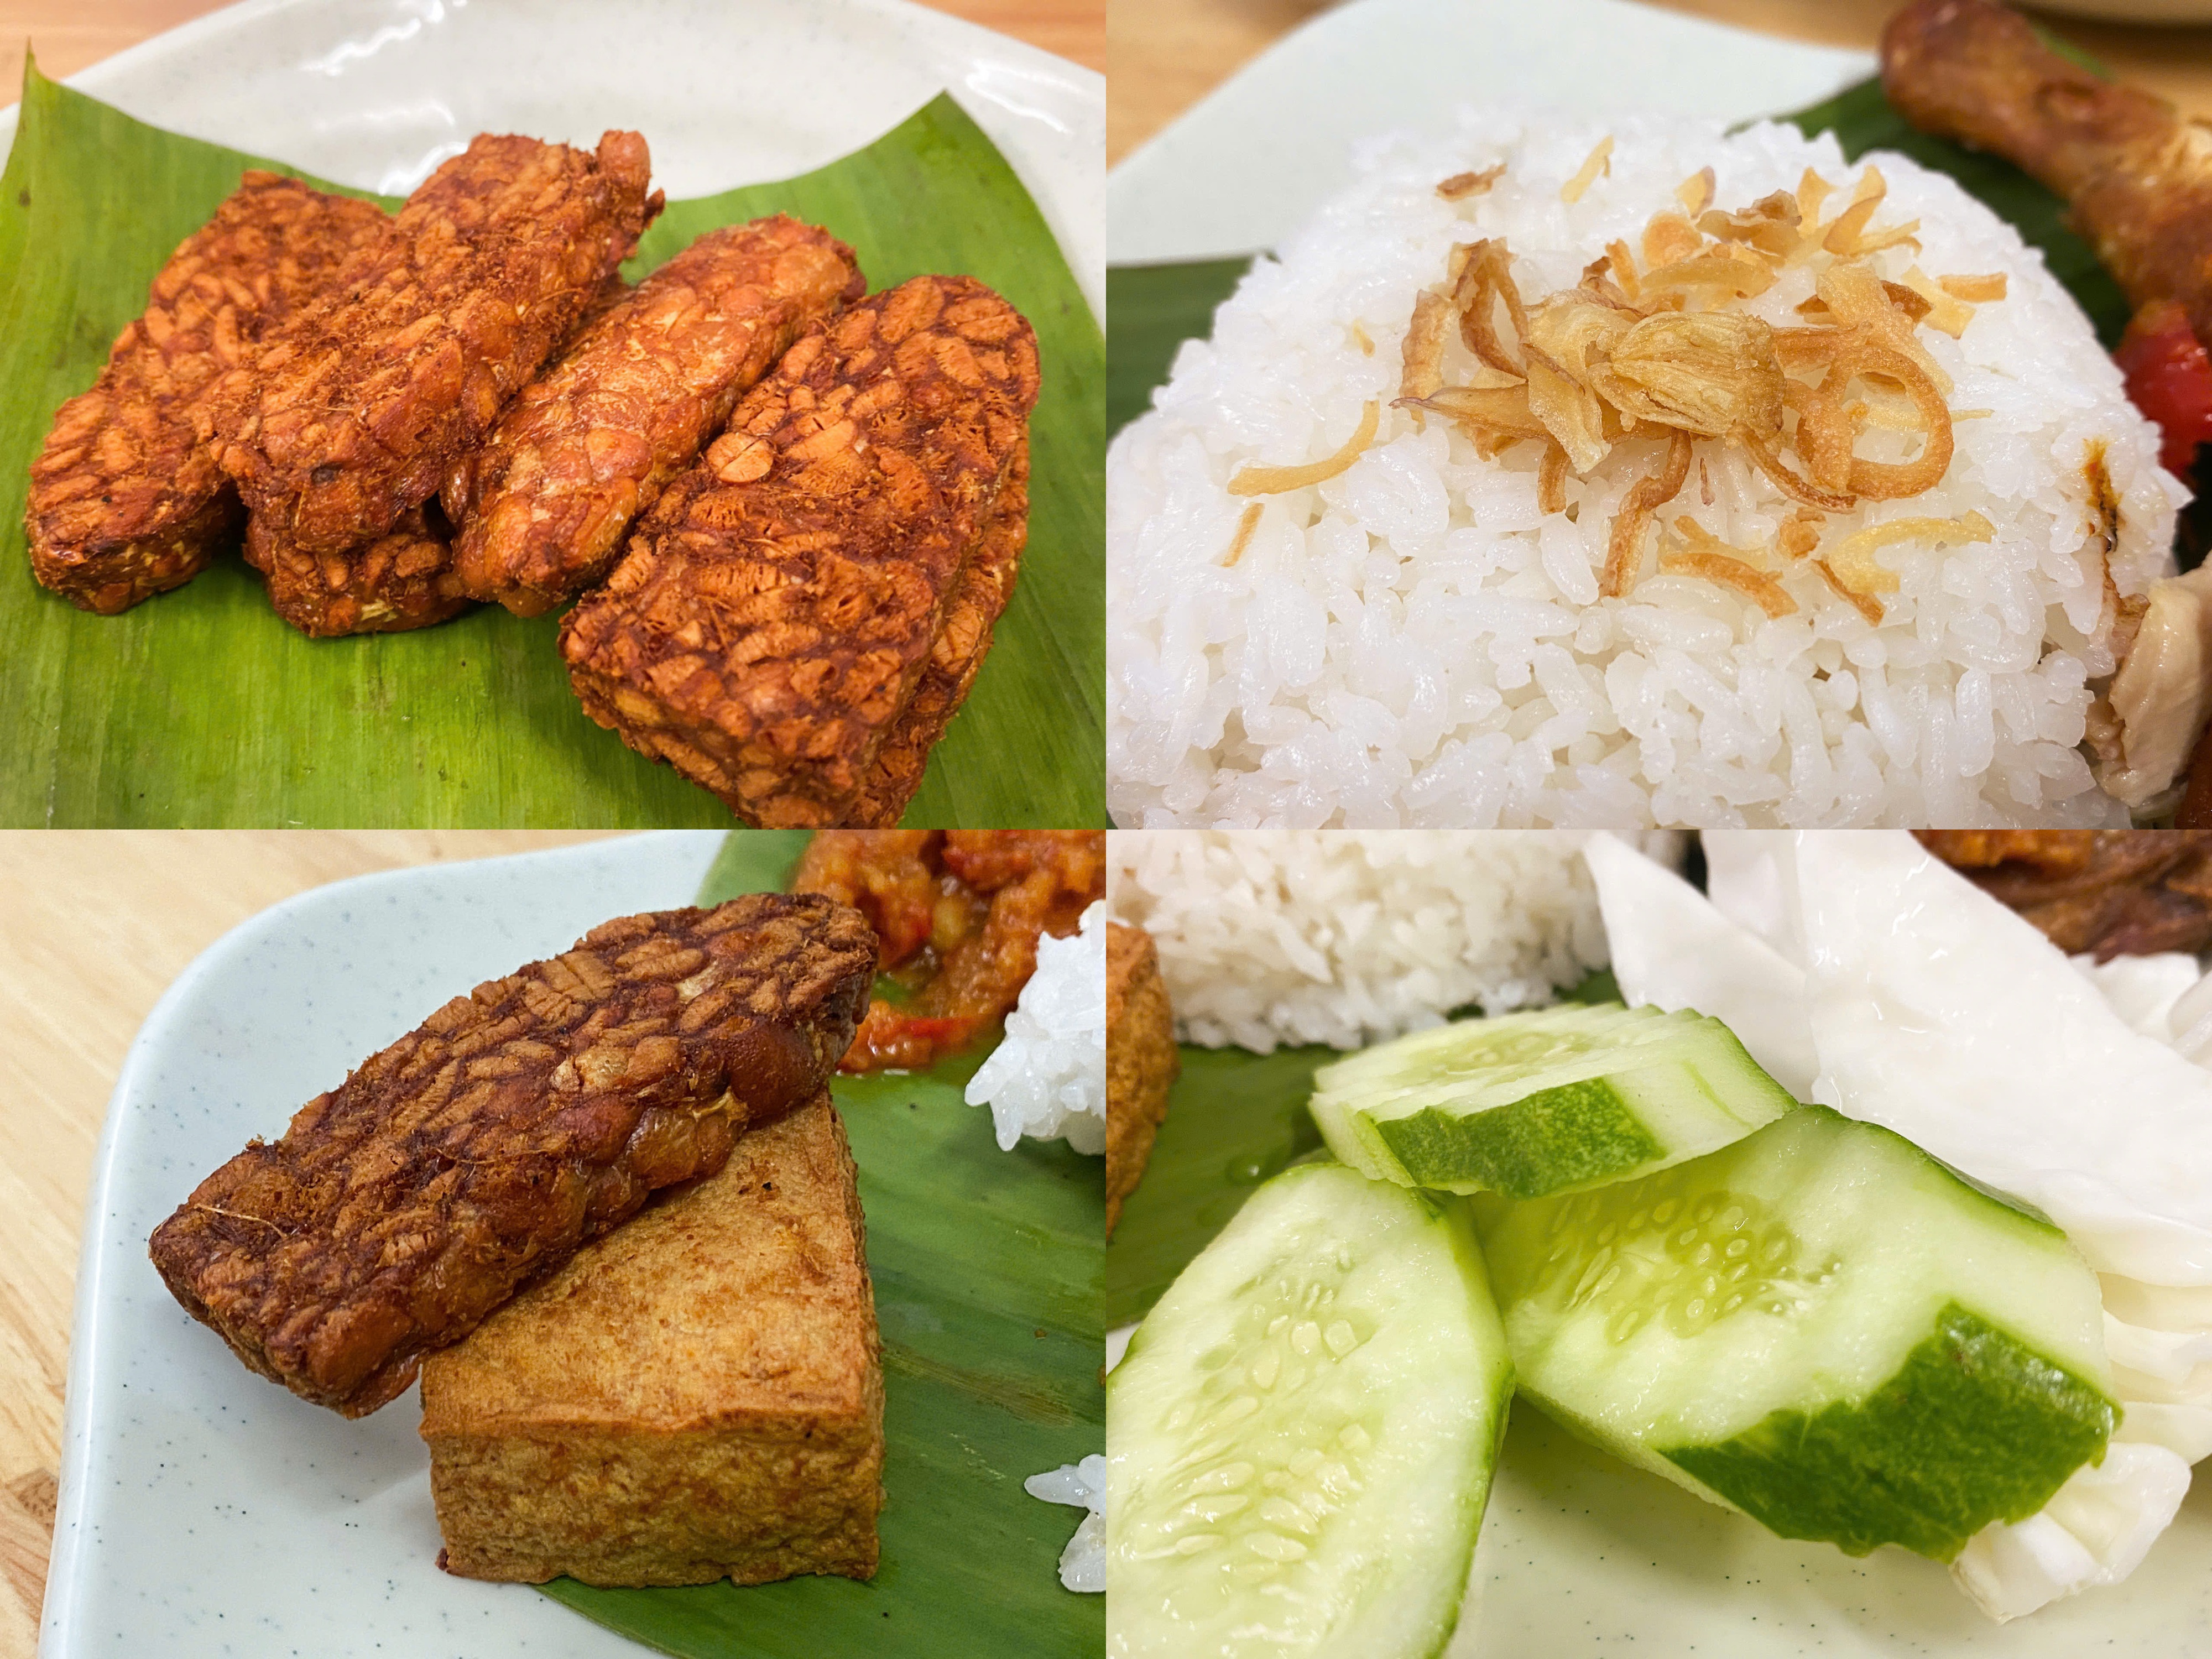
(1820, 1326)
(1301, 1436)
(1554, 1101)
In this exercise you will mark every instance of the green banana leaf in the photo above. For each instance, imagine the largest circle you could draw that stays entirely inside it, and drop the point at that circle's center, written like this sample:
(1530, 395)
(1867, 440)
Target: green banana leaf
(986, 1267)
(201, 708)
(1234, 1119)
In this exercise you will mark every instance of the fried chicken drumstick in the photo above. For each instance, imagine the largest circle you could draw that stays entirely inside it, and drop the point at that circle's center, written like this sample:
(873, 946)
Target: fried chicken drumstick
(2138, 176)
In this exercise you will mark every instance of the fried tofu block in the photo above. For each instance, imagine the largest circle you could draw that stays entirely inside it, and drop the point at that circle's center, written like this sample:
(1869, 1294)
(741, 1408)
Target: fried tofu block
(125, 500)
(1141, 1062)
(354, 410)
(698, 1396)
(778, 606)
(395, 582)
(476, 1152)
(979, 599)
(542, 508)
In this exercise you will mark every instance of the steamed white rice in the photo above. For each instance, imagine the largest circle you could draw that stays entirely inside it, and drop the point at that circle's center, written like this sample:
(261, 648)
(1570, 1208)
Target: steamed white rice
(1412, 643)
(1047, 1078)
(1269, 937)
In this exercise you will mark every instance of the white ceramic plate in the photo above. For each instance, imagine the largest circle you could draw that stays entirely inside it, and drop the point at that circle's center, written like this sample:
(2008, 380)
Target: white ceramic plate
(203, 1511)
(376, 93)
(1243, 167)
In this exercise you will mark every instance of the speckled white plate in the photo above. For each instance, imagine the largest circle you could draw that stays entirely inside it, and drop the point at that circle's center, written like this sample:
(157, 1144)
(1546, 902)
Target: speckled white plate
(376, 93)
(206, 1512)
(1243, 167)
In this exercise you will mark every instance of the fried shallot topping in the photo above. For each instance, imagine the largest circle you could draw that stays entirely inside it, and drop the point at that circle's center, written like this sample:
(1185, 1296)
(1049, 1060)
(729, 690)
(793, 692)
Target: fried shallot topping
(1654, 348)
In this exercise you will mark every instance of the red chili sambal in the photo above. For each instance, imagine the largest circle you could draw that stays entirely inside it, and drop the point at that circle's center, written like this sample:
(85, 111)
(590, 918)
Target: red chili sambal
(958, 913)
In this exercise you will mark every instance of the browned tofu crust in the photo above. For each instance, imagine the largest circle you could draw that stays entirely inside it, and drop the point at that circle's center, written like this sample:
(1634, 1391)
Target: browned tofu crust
(542, 508)
(480, 1150)
(393, 583)
(979, 599)
(778, 606)
(125, 500)
(354, 411)
(1141, 1062)
(698, 1396)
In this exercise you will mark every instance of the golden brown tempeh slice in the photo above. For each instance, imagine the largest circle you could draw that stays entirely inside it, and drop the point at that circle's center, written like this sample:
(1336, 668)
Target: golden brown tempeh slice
(125, 500)
(480, 1150)
(697, 1396)
(387, 586)
(979, 599)
(542, 508)
(1142, 1061)
(778, 606)
(354, 411)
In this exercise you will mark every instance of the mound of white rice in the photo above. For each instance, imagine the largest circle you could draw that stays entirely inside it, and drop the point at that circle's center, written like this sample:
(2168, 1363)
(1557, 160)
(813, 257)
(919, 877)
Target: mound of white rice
(1270, 936)
(1047, 1078)
(1414, 643)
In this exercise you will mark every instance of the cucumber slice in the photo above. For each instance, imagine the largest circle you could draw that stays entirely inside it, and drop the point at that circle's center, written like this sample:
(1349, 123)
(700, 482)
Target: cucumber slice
(1549, 1101)
(1820, 1326)
(1300, 1436)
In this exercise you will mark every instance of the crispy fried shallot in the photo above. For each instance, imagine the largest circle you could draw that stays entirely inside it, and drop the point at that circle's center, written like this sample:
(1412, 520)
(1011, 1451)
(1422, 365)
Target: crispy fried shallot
(1624, 547)
(1664, 348)
(1724, 571)
(1460, 186)
(1425, 346)
(1274, 480)
(1851, 561)
(1247, 523)
(1974, 290)
(1599, 164)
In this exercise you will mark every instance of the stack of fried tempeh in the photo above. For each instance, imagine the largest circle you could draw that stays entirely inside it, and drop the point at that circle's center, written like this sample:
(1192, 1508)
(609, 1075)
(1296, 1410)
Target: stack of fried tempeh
(608, 1201)
(464, 402)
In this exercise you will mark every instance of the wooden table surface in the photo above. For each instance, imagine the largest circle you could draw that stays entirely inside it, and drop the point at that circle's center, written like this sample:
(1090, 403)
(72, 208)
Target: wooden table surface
(1163, 56)
(96, 923)
(67, 35)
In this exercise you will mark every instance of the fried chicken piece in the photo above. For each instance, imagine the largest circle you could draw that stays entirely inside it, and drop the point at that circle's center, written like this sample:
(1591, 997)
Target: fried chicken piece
(2107, 892)
(354, 410)
(979, 599)
(395, 582)
(1142, 1061)
(125, 500)
(2137, 175)
(699, 1396)
(476, 1152)
(958, 913)
(589, 445)
(779, 604)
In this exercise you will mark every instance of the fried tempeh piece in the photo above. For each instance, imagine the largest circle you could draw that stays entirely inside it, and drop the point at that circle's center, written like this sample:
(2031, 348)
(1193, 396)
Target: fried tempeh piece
(476, 1152)
(697, 1396)
(392, 584)
(1142, 1061)
(354, 411)
(779, 604)
(2138, 176)
(542, 508)
(979, 599)
(125, 500)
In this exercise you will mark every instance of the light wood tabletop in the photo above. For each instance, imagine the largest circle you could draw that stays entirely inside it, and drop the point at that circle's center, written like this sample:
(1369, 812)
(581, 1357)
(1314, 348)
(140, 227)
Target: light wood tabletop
(1163, 56)
(96, 924)
(67, 35)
